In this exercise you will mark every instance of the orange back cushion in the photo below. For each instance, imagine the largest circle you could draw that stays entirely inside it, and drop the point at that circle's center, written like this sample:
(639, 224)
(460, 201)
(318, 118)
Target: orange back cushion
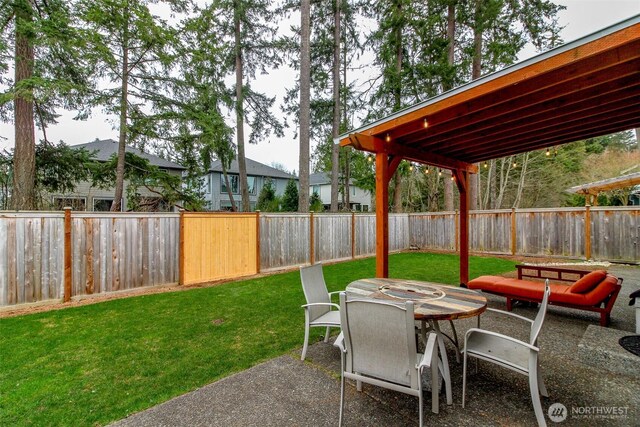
(588, 282)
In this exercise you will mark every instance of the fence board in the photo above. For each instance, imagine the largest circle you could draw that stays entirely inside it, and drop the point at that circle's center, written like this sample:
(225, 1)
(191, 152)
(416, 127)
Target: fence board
(398, 232)
(30, 256)
(365, 235)
(433, 230)
(218, 246)
(490, 231)
(332, 236)
(550, 232)
(284, 240)
(615, 234)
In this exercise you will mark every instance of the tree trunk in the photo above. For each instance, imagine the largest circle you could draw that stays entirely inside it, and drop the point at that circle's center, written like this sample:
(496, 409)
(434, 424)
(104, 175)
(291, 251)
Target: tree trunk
(638, 138)
(448, 85)
(476, 72)
(523, 173)
(242, 164)
(397, 86)
(116, 206)
(335, 148)
(397, 193)
(24, 159)
(229, 189)
(347, 183)
(305, 104)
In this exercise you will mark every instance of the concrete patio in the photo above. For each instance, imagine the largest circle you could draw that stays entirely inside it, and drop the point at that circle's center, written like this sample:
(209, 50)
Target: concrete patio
(581, 365)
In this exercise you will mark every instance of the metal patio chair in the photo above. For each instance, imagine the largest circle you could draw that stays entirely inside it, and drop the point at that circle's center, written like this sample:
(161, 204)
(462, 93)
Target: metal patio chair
(378, 347)
(318, 309)
(511, 353)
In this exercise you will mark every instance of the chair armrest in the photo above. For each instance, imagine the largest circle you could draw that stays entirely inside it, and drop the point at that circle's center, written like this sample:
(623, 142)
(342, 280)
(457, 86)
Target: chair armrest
(495, 334)
(517, 316)
(430, 352)
(339, 342)
(315, 304)
(335, 292)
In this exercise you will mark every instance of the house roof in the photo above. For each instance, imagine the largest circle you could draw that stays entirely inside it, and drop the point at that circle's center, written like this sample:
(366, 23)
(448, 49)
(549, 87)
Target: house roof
(322, 178)
(606, 184)
(253, 168)
(105, 148)
(582, 89)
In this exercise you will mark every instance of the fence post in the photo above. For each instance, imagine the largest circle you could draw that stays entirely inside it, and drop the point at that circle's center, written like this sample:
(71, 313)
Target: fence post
(353, 235)
(311, 240)
(67, 254)
(181, 250)
(587, 232)
(257, 241)
(513, 231)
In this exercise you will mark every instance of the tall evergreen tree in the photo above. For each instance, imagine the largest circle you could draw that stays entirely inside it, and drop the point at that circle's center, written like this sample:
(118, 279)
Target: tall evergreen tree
(249, 31)
(39, 40)
(134, 51)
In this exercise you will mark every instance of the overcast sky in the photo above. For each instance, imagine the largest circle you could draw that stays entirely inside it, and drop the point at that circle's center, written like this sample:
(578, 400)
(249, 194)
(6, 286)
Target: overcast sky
(582, 17)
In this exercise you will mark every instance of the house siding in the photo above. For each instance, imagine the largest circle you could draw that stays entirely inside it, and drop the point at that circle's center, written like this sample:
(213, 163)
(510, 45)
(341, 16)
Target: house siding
(217, 200)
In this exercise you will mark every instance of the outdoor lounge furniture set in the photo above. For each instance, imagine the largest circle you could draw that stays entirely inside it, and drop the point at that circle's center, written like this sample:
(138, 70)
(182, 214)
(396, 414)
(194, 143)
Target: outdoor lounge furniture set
(378, 341)
(592, 291)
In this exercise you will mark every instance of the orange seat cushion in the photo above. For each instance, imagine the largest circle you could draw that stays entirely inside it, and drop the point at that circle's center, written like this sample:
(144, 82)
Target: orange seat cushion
(515, 288)
(588, 282)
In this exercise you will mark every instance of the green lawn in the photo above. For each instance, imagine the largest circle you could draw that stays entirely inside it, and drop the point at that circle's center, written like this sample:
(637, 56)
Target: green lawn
(95, 364)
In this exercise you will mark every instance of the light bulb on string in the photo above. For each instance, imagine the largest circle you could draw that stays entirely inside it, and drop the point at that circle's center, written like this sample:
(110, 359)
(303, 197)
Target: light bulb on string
(547, 153)
(388, 138)
(425, 123)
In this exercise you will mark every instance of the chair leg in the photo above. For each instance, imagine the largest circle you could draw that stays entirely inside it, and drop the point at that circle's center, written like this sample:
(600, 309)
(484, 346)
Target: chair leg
(435, 389)
(306, 342)
(455, 340)
(464, 376)
(543, 388)
(420, 413)
(535, 394)
(341, 392)
(326, 334)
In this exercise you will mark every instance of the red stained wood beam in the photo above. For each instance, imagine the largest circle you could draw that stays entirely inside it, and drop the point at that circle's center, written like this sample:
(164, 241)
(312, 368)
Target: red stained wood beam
(376, 145)
(382, 215)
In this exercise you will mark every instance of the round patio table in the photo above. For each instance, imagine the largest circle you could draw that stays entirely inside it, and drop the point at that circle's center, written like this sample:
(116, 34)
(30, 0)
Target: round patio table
(432, 302)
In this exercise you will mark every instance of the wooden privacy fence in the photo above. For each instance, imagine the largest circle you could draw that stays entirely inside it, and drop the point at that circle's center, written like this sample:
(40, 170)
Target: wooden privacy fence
(55, 255)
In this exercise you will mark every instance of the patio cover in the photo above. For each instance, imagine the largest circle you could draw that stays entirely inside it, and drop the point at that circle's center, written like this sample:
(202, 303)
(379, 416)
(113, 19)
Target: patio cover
(586, 88)
(592, 189)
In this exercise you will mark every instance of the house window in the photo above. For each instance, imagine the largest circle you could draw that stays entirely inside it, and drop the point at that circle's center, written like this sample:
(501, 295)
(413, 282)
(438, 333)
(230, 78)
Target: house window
(365, 208)
(103, 204)
(353, 190)
(234, 182)
(205, 185)
(76, 203)
(316, 189)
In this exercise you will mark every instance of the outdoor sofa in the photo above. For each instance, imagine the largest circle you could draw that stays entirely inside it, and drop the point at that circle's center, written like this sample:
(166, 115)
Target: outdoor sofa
(592, 291)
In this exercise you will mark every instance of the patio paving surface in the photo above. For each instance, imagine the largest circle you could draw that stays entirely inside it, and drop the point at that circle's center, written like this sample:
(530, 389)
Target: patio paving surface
(288, 392)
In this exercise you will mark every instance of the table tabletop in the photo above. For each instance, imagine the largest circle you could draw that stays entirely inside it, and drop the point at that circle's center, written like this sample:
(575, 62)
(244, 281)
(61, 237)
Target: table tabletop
(432, 301)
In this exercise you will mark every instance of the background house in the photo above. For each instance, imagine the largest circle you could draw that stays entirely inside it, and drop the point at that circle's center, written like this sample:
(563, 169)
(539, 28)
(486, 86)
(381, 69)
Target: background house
(88, 198)
(359, 199)
(257, 174)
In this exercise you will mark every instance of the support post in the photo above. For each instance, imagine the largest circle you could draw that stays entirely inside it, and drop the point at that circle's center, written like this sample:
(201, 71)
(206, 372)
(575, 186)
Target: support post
(382, 215)
(513, 231)
(462, 180)
(68, 259)
(587, 232)
(456, 226)
(257, 241)
(181, 250)
(312, 244)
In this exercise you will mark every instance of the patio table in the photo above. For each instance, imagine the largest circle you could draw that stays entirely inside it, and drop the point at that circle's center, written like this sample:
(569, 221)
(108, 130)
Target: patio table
(432, 302)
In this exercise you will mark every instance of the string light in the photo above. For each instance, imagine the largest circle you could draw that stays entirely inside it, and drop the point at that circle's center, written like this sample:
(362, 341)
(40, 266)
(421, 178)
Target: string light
(486, 165)
(369, 158)
(427, 170)
(439, 172)
(425, 123)
(388, 138)
(453, 177)
(547, 153)
(515, 165)
(555, 152)
(411, 168)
